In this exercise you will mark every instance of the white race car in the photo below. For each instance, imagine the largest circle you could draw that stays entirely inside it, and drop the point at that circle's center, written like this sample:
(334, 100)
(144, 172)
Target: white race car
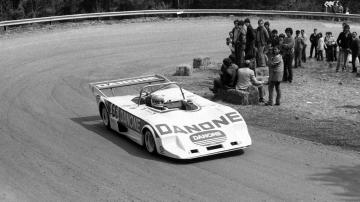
(169, 120)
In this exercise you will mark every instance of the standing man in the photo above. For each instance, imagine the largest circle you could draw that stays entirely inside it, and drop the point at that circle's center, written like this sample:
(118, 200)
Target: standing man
(288, 54)
(303, 53)
(355, 50)
(344, 42)
(250, 51)
(240, 43)
(313, 41)
(262, 37)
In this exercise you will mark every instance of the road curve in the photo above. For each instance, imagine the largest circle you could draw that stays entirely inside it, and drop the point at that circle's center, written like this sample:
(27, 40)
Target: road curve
(53, 146)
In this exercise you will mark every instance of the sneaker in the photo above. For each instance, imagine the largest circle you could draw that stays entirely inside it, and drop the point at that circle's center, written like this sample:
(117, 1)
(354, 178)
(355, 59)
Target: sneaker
(277, 104)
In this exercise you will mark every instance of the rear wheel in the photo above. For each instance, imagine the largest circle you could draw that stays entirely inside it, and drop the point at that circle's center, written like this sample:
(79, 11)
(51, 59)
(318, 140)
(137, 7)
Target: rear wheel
(105, 117)
(149, 142)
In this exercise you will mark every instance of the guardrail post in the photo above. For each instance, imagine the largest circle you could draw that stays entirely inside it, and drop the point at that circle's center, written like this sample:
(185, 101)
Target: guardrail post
(5, 28)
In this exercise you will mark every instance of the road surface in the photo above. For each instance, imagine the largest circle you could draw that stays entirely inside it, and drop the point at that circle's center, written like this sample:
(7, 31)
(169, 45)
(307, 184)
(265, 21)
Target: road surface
(53, 146)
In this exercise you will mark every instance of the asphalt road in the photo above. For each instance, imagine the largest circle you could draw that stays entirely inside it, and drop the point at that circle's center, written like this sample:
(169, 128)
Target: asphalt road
(53, 146)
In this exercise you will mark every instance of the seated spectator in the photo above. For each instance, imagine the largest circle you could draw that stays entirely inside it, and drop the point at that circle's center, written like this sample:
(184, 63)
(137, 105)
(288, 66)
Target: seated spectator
(227, 78)
(246, 78)
(276, 70)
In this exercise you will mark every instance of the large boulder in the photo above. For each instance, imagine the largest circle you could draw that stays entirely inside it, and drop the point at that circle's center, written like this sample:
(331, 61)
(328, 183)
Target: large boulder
(201, 62)
(184, 70)
(240, 97)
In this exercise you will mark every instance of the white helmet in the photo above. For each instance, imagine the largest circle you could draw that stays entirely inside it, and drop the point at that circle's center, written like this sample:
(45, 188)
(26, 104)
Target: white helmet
(157, 101)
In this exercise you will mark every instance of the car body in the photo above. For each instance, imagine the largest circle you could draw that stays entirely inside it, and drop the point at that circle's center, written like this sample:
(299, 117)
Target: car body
(184, 126)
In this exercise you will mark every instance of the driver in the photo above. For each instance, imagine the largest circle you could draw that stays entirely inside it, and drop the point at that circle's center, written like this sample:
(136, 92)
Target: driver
(157, 101)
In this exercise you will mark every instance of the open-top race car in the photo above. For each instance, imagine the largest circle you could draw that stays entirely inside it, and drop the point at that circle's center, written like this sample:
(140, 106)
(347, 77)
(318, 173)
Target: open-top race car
(167, 119)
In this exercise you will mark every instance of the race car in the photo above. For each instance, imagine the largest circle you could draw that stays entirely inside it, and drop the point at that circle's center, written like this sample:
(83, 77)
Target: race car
(167, 119)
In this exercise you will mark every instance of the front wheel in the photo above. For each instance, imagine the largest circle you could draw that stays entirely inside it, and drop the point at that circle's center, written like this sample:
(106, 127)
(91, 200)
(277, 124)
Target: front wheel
(149, 142)
(105, 117)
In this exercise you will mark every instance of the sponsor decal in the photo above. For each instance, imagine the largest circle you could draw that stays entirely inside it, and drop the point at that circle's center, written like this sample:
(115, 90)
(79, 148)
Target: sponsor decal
(208, 137)
(127, 82)
(125, 118)
(227, 119)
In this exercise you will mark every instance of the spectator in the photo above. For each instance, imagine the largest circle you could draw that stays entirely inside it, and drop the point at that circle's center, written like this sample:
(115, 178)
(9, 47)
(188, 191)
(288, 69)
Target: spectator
(340, 9)
(276, 68)
(246, 78)
(227, 76)
(250, 51)
(262, 37)
(336, 7)
(343, 41)
(267, 27)
(299, 45)
(303, 53)
(240, 42)
(230, 44)
(330, 46)
(275, 38)
(313, 41)
(347, 11)
(281, 42)
(355, 50)
(288, 55)
(321, 47)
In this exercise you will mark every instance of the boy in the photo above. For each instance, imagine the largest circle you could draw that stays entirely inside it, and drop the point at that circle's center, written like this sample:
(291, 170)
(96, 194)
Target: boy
(276, 66)
(299, 45)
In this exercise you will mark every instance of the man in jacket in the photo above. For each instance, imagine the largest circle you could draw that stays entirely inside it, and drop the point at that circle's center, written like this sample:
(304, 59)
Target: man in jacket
(287, 47)
(313, 40)
(250, 40)
(227, 76)
(240, 43)
(344, 42)
(262, 37)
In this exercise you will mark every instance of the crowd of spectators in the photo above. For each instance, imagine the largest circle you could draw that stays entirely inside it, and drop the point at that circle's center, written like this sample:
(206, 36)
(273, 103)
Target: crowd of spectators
(263, 47)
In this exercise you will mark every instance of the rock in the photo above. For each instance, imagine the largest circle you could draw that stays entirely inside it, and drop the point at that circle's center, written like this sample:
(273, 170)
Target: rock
(184, 70)
(201, 62)
(240, 97)
(340, 83)
(262, 71)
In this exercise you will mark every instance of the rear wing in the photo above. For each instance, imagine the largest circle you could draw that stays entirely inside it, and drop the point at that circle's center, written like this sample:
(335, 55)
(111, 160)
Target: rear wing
(97, 87)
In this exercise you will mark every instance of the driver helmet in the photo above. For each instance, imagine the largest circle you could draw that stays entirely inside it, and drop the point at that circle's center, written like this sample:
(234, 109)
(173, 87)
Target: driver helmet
(157, 101)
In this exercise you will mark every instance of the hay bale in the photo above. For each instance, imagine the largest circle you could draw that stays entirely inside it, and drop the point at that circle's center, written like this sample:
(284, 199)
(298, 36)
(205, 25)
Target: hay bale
(184, 70)
(240, 97)
(262, 71)
(201, 62)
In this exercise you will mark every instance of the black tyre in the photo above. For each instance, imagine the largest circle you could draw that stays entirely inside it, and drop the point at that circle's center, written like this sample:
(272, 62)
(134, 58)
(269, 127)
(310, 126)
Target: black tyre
(149, 142)
(105, 117)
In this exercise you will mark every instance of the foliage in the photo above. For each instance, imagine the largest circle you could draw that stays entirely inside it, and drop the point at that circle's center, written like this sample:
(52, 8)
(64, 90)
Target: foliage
(17, 9)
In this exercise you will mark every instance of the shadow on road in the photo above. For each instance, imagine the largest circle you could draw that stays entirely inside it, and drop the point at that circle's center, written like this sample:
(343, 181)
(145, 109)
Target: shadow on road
(94, 124)
(346, 177)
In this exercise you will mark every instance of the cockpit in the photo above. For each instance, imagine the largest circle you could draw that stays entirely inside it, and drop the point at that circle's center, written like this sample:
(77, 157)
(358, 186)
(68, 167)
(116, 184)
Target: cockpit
(165, 96)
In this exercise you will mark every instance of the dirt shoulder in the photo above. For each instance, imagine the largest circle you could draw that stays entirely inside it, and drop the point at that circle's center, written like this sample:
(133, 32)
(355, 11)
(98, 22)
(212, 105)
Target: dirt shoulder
(320, 105)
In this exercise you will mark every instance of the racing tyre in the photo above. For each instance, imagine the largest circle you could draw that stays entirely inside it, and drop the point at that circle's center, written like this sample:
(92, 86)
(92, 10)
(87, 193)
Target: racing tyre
(105, 117)
(149, 142)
